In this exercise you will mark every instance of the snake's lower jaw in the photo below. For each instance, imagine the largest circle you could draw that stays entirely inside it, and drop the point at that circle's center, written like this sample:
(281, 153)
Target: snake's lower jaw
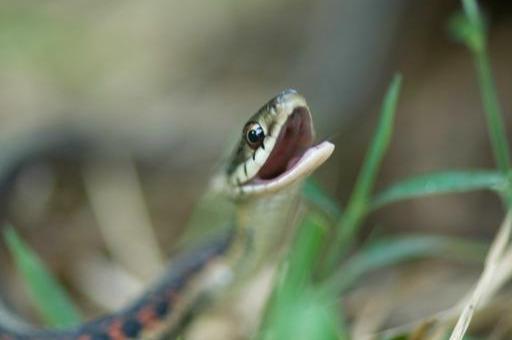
(308, 162)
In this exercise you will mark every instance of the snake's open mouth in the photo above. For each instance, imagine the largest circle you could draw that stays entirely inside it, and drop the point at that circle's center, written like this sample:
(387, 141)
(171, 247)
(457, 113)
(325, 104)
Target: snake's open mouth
(294, 156)
(295, 137)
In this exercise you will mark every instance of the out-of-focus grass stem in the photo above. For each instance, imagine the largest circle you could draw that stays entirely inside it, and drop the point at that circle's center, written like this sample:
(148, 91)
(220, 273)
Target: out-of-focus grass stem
(470, 29)
(360, 199)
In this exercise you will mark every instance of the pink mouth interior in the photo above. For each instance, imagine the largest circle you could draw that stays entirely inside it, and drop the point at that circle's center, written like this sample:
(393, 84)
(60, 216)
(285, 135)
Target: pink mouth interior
(295, 138)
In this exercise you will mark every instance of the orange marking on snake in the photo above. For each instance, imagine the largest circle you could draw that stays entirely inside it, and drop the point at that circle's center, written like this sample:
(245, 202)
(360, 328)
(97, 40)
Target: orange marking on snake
(115, 332)
(147, 317)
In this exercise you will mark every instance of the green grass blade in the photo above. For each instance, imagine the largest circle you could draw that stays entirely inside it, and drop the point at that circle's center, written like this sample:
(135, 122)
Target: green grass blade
(314, 194)
(52, 302)
(470, 29)
(397, 249)
(296, 310)
(441, 183)
(360, 198)
(297, 271)
(309, 316)
(304, 254)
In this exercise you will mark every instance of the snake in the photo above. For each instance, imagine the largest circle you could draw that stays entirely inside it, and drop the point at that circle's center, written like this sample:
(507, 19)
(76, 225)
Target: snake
(275, 153)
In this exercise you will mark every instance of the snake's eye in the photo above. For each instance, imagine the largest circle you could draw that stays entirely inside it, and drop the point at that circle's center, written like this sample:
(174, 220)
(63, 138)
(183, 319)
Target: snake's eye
(254, 134)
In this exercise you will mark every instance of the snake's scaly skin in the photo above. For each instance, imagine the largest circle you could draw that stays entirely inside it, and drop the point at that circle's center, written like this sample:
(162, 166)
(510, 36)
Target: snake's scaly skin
(148, 312)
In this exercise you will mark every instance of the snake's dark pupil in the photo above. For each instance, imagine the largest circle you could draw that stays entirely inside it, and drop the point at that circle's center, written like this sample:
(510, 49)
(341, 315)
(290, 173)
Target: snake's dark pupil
(255, 135)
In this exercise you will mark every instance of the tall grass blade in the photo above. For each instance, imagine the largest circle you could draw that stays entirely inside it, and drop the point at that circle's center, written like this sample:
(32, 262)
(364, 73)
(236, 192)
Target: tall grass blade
(359, 201)
(441, 183)
(296, 309)
(398, 249)
(470, 29)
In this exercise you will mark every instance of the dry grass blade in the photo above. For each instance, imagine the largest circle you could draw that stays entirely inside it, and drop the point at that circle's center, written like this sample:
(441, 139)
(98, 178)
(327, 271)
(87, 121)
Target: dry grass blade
(372, 313)
(497, 271)
(117, 201)
(104, 282)
(493, 261)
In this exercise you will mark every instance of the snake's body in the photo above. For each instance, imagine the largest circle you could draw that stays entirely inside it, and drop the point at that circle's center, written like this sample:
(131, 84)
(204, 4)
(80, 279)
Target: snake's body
(273, 156)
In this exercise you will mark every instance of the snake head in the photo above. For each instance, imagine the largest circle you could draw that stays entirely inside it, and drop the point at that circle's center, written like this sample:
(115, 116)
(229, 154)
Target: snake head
(276, 149)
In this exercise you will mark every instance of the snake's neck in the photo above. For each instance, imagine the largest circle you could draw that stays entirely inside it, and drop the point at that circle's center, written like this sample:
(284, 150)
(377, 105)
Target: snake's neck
(265, 224)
